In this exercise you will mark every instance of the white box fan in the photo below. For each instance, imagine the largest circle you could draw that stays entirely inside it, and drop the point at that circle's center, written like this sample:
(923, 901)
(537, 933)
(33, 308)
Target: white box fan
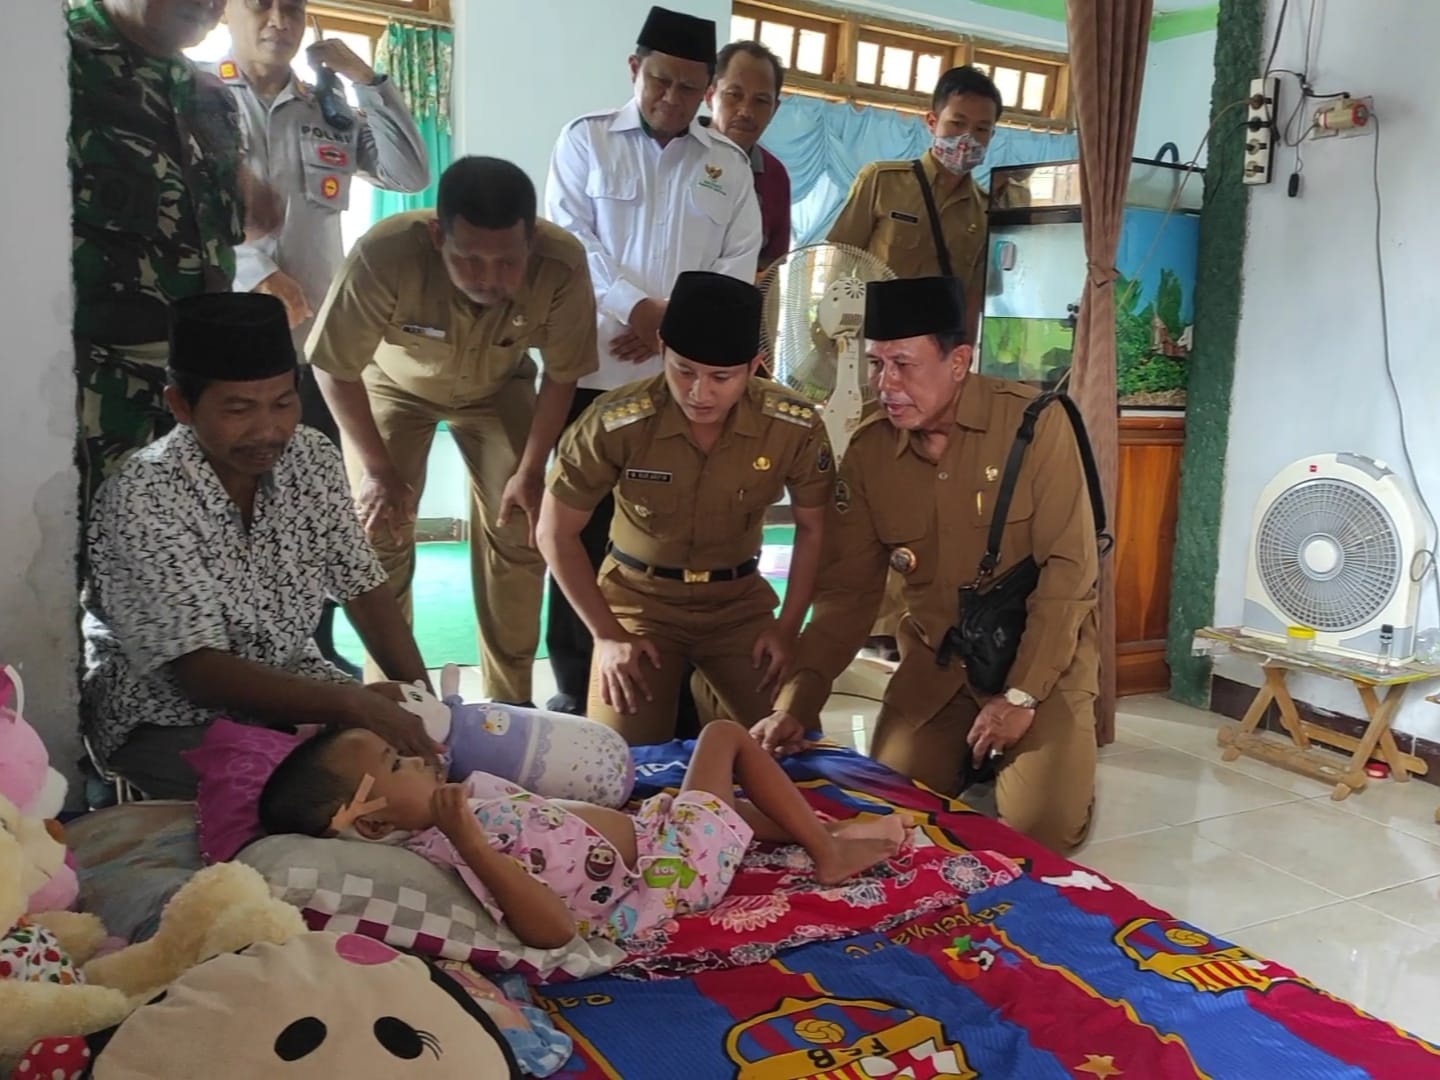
(1335, 539)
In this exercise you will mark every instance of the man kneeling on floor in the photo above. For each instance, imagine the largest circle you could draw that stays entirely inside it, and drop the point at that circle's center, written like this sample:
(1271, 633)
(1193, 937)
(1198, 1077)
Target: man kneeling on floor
(211, 555)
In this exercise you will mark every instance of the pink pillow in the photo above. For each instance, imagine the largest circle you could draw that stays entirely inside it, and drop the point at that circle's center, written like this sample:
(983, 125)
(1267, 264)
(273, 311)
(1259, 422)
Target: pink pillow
(233, 763)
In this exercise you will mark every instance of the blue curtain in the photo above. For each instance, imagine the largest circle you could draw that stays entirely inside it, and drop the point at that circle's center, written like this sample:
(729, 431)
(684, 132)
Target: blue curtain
(824, 144)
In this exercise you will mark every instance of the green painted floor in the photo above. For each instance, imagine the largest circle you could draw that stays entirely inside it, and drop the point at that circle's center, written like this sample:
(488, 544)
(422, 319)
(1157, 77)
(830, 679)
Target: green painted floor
(444, 607)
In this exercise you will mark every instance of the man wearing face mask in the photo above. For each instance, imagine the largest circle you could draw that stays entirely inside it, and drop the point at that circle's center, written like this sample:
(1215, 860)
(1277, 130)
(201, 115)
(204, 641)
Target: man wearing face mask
(888, 215)
(432, 320)
(651, 193)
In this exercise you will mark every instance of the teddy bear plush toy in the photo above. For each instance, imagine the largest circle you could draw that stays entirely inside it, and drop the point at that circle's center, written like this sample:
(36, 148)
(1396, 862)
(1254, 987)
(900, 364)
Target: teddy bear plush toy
(46, 985)
(36, 789)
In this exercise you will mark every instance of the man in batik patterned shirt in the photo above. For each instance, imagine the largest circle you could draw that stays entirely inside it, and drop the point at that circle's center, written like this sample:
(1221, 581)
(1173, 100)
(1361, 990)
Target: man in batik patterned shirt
(210, 554)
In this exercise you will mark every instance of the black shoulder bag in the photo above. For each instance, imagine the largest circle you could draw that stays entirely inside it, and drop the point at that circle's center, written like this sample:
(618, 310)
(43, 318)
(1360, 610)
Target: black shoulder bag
(993, 610)
(942, 251)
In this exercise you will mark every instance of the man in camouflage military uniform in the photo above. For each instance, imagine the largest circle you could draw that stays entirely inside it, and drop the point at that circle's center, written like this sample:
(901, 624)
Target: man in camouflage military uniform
(156, 175)
(694, 458)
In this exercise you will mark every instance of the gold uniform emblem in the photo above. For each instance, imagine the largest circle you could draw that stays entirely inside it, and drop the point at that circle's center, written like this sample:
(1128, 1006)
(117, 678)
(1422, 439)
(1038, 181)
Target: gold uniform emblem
(903, 561)
(991, 473)
(762, 464)
(714, 172)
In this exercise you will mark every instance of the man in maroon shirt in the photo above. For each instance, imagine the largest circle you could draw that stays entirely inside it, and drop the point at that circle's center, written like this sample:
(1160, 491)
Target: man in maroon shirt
(743, 98)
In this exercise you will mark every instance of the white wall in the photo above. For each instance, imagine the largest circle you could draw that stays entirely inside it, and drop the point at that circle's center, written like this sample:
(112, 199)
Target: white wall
(1309, 370)
(38, 481)
(516, 90)
(1175, 101)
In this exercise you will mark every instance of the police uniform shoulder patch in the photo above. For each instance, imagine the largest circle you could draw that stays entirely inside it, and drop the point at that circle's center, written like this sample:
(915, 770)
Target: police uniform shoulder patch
(624, 411)
(229, 71)
(792, 410)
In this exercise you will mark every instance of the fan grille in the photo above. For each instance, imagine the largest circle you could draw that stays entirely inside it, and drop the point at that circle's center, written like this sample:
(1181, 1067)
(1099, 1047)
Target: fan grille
(802, 355)
(1328, 554)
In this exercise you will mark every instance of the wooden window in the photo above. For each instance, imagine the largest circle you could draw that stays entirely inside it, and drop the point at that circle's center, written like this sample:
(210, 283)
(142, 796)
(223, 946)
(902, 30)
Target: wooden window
(805, 44)
(844, 55)
(1028, 85)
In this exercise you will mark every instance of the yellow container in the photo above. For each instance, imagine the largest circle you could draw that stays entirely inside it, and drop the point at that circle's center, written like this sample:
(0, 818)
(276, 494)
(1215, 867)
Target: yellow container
(1302, 638)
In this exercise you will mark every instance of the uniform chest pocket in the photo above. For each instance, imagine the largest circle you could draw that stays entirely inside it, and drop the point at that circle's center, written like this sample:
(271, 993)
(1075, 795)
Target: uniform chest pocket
(117, 200)
(909, 534)
(649, 497)
(903, 231)
(329, 167)
(411, 343)
(615, 186)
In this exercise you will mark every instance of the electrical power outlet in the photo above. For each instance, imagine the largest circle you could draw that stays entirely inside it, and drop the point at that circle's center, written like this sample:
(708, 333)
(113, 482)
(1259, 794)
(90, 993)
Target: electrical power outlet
(1261, 130)
(1344, 118)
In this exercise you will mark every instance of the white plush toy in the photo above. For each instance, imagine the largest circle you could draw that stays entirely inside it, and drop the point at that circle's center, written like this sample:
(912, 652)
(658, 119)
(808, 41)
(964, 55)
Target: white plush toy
(552, 754)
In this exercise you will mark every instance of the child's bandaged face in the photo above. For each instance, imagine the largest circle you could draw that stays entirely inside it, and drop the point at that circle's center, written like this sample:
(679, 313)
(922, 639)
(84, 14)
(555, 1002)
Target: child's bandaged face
(407, 784)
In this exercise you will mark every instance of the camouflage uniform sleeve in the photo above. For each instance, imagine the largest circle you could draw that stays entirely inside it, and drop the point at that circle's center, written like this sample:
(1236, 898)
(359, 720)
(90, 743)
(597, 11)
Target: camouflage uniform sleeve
(847, 596)
(1063, 543)
(587, 465)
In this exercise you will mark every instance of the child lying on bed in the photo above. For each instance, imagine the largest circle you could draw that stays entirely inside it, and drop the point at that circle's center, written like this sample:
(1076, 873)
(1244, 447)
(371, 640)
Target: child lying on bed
(550, 868)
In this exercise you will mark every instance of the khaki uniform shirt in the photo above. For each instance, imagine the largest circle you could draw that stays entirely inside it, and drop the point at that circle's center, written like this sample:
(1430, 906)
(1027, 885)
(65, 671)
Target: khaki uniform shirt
(895, 508)
(393, 306)
(675, 505)
(886, 216)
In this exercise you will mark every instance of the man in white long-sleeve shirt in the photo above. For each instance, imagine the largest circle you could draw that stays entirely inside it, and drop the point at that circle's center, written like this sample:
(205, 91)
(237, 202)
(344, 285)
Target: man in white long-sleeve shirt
(651, 193)
(311, 162)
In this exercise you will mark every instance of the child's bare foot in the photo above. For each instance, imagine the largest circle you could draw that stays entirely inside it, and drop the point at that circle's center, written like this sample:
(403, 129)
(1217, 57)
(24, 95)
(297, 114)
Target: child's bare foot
(889, 827)
(846, 856)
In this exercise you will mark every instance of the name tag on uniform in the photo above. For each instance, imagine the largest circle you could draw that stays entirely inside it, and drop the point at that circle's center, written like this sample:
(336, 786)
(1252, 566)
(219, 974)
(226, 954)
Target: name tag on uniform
(430, 332)
(900, 215)
(649, 474)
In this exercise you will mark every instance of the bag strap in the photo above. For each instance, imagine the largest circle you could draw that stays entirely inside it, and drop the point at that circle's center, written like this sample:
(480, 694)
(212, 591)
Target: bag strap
(1024, 435)
(942, 252)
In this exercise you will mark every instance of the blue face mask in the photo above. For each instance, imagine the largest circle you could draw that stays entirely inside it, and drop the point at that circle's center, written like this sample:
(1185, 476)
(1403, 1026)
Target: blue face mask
(959, 154)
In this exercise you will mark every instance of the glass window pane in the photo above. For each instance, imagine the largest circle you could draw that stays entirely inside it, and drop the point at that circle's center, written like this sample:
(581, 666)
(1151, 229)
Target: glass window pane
(810, 53)
(1007, 81)
(895, 68)
(928, 69)
(779, 39)
(742, 28)
(1032, 98)
(867, 62)
(982, 67)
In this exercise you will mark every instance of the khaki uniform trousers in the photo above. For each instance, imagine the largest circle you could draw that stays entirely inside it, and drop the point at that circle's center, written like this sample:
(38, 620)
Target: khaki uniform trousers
(506, 574)
(892, 608)
(1045, 784)
(712, 625)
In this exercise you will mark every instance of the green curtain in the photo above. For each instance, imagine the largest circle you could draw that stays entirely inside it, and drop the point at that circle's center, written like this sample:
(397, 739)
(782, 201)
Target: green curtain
(420, 61)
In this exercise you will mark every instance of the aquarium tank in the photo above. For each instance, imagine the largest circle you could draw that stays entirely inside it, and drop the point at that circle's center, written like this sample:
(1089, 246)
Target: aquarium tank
(1035, 274)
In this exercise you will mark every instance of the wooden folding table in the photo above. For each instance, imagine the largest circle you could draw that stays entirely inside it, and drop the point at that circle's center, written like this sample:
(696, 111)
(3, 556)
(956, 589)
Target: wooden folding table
(1377, 741)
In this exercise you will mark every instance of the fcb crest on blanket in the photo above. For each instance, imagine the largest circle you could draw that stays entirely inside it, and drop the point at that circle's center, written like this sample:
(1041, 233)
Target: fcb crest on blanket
(973, 954)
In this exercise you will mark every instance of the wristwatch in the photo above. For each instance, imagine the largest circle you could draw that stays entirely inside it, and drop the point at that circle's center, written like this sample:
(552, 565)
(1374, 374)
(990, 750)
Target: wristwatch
(1020, 699)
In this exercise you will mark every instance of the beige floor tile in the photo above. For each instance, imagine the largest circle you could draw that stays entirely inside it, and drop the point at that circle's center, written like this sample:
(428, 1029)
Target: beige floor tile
(1336, 850)
(1416, 904)
(1203, 883)
(1183, 788)
(1126, 742)
(1408, 807)
(1170, 723)
(1385, 967)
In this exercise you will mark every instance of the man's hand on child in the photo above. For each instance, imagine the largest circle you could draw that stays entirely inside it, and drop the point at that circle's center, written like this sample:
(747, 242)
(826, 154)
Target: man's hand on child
(453, 816)
(373, 710)
(781, 734)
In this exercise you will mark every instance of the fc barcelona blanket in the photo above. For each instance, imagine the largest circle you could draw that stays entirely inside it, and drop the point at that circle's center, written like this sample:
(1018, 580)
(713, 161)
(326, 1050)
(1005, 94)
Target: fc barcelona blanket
(984, 956)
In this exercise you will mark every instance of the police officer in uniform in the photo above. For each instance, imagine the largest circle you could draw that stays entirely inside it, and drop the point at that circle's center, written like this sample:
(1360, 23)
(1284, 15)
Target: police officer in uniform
(432, 320)
(694, 457)
(886, 215)
(916, 493)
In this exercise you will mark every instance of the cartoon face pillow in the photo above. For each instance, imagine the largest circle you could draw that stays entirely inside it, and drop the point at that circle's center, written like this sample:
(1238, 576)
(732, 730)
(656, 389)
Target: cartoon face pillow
(321, 1005)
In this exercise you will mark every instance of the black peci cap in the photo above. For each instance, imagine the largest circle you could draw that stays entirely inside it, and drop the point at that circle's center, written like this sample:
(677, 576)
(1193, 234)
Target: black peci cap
(674, 33)
(712, 319)
(914, 307)
(234, 337)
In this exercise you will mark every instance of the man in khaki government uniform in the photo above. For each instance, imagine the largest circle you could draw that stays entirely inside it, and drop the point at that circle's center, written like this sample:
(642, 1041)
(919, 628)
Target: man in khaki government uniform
(694, 457)
(432, 319)
(916, 492)
(886, 215)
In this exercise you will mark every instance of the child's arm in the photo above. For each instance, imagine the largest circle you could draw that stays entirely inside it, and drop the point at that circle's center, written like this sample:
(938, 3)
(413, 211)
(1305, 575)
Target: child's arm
(539, 918)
